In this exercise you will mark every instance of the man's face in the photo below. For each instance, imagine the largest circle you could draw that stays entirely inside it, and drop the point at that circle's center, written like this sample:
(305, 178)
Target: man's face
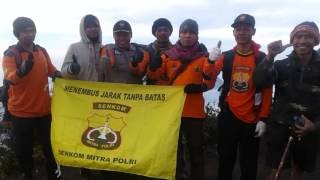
(27, 35)
(92, 30)
(122, 39)
(163, 33)
(303, 43)
(243, 34)
(188, 39)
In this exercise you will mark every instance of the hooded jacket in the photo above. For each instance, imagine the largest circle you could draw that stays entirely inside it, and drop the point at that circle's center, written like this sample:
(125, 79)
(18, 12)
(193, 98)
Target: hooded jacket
(87, 54)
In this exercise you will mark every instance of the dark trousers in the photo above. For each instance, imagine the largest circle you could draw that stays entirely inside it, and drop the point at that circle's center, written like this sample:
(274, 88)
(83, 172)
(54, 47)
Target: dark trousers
(25, 131)
(192, 130)
(234, 134)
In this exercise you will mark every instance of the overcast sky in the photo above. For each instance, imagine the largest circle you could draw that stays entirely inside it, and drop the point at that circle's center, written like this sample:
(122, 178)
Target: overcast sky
(57, 21)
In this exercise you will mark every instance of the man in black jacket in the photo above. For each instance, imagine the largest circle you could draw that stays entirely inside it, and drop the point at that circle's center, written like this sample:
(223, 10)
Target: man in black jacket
(296, 101)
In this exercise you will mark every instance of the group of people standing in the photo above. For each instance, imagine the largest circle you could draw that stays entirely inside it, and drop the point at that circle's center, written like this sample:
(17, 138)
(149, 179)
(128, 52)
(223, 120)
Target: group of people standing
(245, 101)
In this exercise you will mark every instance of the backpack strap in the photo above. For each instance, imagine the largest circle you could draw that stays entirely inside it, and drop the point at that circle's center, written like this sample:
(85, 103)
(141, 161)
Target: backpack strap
(151, 50)
(226, 75)
(16, 53)
(4, 96)
(111, 55)
(258, 59)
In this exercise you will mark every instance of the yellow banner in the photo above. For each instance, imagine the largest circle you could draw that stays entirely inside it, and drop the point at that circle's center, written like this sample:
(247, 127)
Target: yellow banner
(118, 127)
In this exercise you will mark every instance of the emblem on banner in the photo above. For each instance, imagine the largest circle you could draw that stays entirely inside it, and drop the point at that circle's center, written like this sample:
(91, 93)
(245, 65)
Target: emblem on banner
(103, 132)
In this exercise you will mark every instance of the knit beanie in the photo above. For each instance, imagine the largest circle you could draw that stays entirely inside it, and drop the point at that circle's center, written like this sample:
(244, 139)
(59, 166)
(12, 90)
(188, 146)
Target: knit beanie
(161, 22)
(20, 24)
(189, 25)
(309, 27)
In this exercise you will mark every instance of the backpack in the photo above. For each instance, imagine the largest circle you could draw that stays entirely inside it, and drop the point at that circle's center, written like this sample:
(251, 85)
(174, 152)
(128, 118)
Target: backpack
(4, 96)
(227, 71)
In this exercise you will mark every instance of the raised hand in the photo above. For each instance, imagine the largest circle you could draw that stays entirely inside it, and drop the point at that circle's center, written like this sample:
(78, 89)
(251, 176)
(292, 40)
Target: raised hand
(275, 48)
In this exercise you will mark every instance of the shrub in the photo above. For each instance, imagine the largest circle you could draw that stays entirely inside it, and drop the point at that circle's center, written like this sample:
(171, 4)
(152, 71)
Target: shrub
(210, 124)
(8, 162)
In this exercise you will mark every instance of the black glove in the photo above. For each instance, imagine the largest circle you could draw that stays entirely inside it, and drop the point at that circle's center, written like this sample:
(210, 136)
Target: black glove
(155, 62)
(57, 74)
(137, 58)
(75, 66)
(195, 88)
(25, 66)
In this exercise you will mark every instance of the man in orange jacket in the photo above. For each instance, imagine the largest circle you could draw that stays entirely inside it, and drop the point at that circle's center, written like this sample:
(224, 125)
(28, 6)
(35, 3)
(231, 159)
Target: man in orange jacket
(186, 64)
(26, 68)
(162, 30)
(244, 108)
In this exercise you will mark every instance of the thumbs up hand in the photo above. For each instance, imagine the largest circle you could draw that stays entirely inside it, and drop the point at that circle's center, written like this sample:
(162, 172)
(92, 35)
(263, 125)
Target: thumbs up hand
(137, 58)
(215, 53)
(75, 66)
(155, 62)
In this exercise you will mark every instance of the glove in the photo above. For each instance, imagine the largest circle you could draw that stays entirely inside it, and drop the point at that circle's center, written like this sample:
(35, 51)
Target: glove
(75, 66)
(26, 66)
(57, 172)
(195, 88)
(260, 129)
(155, 62)
(137, 58)
(57, 74)
(215, 53)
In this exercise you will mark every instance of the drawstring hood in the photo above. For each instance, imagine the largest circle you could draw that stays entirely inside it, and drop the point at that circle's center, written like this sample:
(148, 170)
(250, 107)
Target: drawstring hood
(83, 24)
(93, 46)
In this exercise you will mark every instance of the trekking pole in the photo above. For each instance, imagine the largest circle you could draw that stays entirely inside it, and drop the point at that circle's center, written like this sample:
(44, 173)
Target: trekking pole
(283, 157)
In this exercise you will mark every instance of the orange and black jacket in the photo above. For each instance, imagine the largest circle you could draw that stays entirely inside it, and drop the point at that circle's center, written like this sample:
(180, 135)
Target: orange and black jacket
(28, 95)
(180, 72)
(241, 94)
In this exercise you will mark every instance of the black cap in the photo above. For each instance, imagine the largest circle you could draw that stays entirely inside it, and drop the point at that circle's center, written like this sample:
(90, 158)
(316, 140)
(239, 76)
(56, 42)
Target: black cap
(21, 23)
(244, 19)
(123, 26)
(189, 25)
(161, 22)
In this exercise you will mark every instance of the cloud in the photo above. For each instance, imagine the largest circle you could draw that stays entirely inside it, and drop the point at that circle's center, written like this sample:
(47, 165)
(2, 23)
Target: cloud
(58, 21)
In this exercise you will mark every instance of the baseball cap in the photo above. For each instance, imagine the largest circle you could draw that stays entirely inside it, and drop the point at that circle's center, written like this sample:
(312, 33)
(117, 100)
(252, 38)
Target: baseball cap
(244, 19)
(123, 26)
